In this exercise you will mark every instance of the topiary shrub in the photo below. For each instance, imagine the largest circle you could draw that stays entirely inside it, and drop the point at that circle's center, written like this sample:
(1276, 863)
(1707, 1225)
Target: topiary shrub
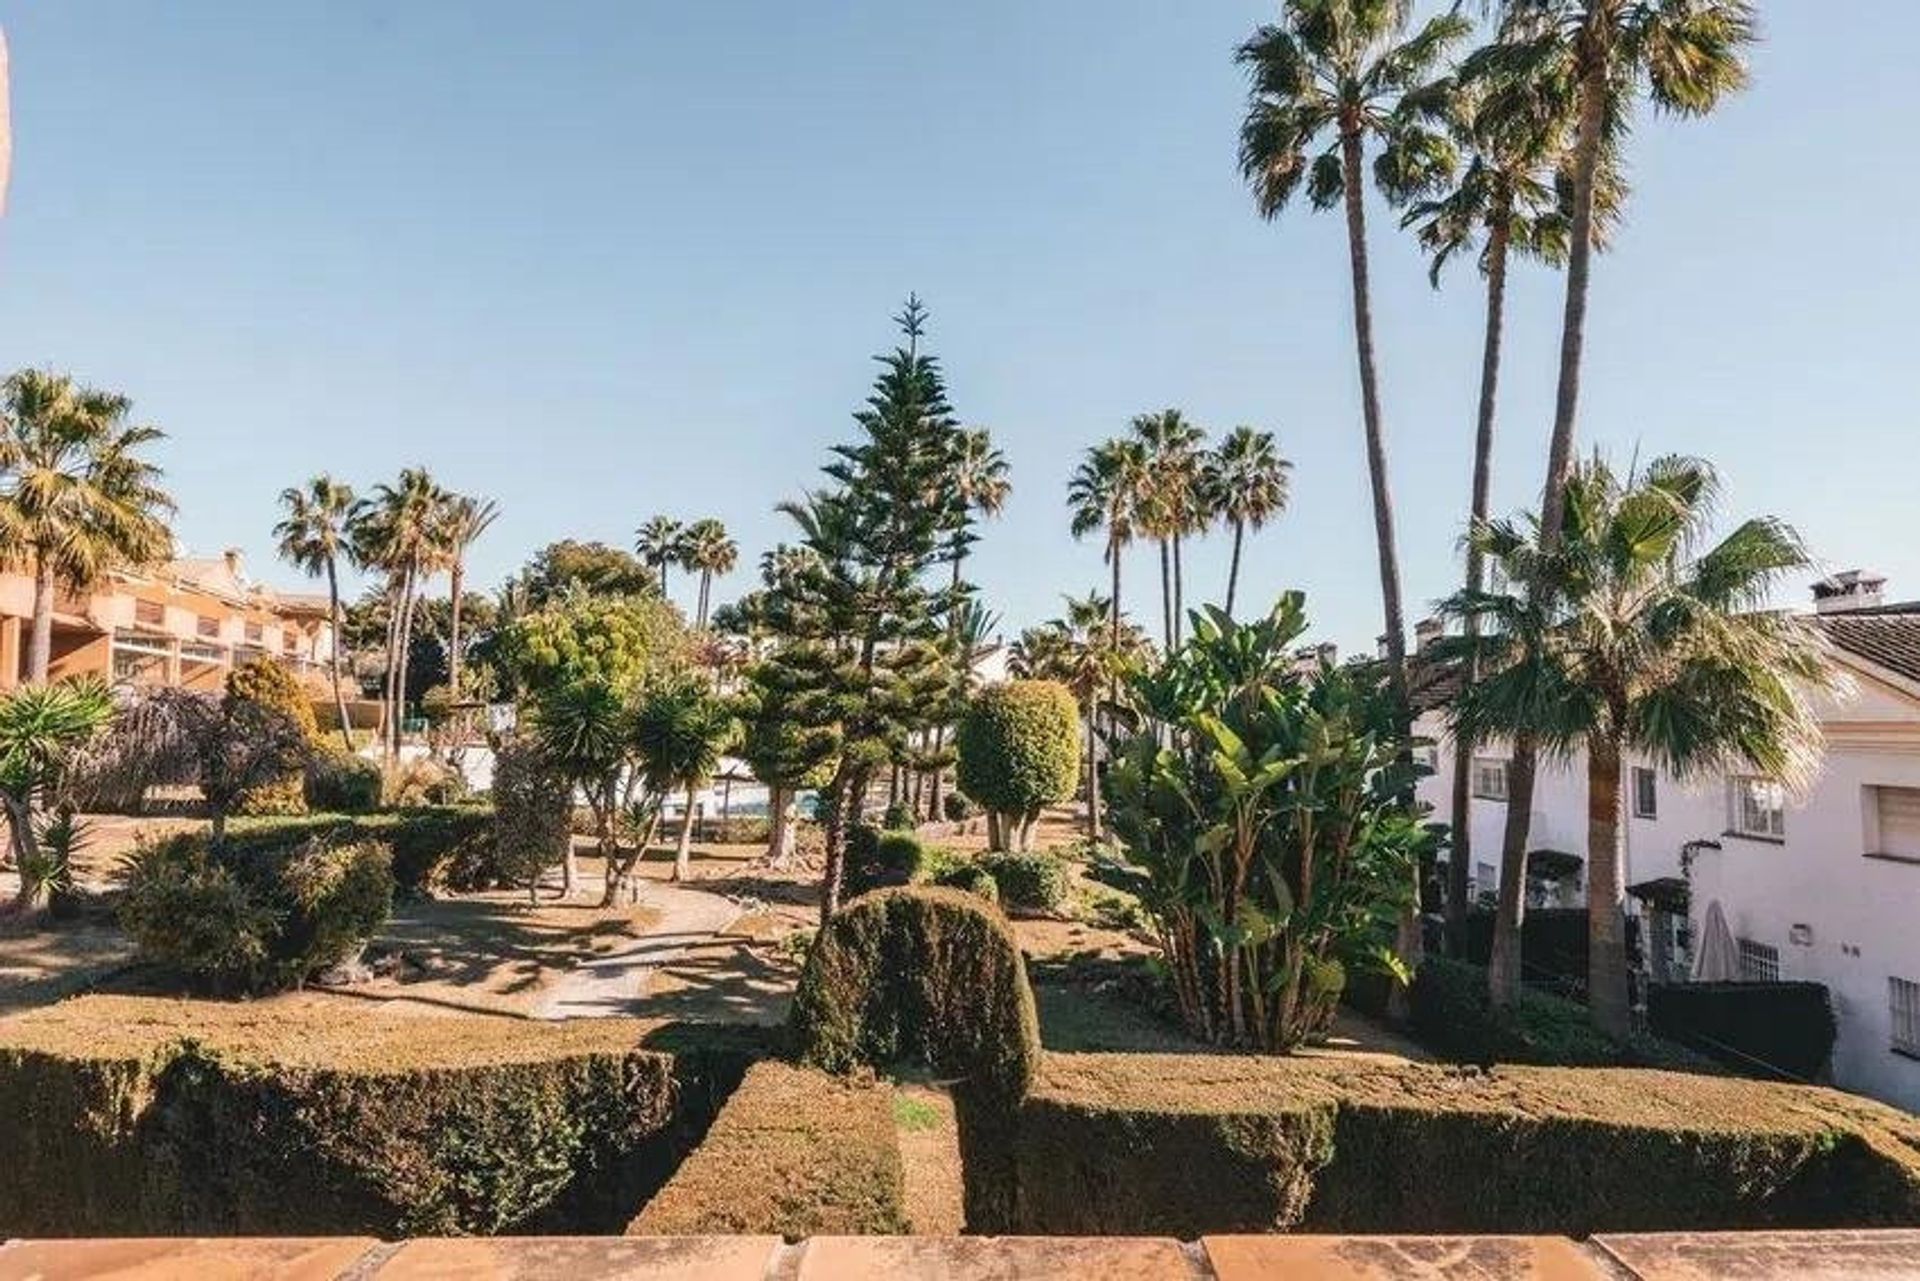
(269, 684)
(258, 921)
(1028, 882)
(1019, 752)
(532, 815)
(795, 1153)
(339, 782)
(1780, 1030)
(956, 807)
(973, 879)
(929, 975)
(899, 817)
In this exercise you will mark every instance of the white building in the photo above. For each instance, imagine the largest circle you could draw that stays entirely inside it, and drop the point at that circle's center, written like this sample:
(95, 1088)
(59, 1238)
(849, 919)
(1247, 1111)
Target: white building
(1822, 887)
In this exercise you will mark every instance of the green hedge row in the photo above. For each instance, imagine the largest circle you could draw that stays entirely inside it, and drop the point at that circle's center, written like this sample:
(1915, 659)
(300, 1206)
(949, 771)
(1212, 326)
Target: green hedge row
(1185, 1145)
(1780, 1030)
(433, 847)
(1452, 1016)
(793, 1152)
(130, 1116)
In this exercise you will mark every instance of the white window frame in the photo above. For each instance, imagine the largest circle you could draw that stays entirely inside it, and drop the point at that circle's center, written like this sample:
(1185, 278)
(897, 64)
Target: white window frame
(1903, 1015)
(1759, 962)
(1772, 826)
(1652, 776)
(1489, 763)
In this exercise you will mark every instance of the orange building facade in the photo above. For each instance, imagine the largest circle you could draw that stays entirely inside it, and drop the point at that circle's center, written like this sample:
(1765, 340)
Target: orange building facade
(185, 623)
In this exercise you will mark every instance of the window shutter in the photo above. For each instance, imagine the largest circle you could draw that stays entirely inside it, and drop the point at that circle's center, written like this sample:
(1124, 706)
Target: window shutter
(1899, 820)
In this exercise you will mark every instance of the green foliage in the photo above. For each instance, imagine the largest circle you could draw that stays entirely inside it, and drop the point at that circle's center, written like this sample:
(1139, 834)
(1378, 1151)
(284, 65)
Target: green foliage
(1181, 1145)
(570, 568)
(1034, 882)
(1019, 745)
(956, 807)
(272, 687)
(622, 642)
(1452, 1016)
(257, 922)
(972, 878)
(160, 1118)
(532, 813)
(899, 817)
(1272, 813)
(44, 732)
(792, 1153)
(341, 782)
(1782, 1030)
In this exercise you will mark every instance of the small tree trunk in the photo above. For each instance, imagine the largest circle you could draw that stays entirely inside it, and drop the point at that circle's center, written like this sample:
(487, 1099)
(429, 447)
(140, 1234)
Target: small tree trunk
(457, 576)
(569, 871)
(1505, 964)
(26, 853)
(217, 833)
(777, 851)
(683, 850)
(1607, 994)
(40, 642)
(339, 691)
(1233, 566)
(1093, 774)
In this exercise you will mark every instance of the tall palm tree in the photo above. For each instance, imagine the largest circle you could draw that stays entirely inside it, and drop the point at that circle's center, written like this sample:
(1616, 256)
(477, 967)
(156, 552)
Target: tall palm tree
(1173, 507)
(398, 530)
(1650, 646)
(708, 549)
(77, 499)
(463, 520)
(1108, 494)
(1244, 482)
(1507, 199)
(980, 484)
(312, 537)
(660, 543)
(1332, 71)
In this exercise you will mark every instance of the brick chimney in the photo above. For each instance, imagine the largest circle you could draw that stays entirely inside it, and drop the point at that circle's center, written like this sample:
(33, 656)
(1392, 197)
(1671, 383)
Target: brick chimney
(1847, 590)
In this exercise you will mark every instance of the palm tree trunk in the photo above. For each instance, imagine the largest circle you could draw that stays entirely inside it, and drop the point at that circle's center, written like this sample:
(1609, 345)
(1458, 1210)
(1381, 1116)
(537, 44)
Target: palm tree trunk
(26, 853)
(40, 642)
(1166, 593)
(1505, 965)
(1233, 567)
(1179, 595)
(403, 660)
(457, 575)
(389, 714)
(1606, 890)
(683, 849)
(1093, 774)
(333, 614)
(1459, 863)
(1113, 679)
(1407, 944)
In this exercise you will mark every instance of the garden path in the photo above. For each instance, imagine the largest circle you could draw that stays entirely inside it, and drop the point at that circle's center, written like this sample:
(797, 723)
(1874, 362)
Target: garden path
(613, 984)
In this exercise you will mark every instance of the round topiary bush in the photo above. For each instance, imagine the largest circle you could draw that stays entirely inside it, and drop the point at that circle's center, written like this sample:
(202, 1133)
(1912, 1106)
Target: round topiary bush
(1019, 749)
(270, 684)
(338, 782)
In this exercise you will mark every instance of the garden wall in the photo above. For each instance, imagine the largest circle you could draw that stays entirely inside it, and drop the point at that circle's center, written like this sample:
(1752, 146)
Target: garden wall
(136, 1116)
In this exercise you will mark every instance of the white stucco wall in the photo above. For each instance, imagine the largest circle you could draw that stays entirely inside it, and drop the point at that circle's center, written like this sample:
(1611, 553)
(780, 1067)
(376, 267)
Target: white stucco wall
(1862, 914)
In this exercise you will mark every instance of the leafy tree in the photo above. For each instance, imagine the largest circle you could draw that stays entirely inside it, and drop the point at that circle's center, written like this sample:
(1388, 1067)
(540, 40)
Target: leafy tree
(1269, 810)
(680, 731)
(561, 568)
(43, 731)
(532, 813)
(1334, 70)
(585, 732)
(788, 745)
(621, 641)
(241, 745)
(1648, 647)
(1244, 482)
(858, 618)
(312, 537)
(659, 543)
(270, 684)
(1019, 753)
(77, 498)
(708, 550)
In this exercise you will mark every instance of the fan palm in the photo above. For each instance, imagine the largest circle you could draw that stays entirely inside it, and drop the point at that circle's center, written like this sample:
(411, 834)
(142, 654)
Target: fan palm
(1651, 646)
(980, 486)
(1244, 482)
(1333, 71)
(1108, 494)
(312, 537)
(77, 499)
(709, 550)
(660, 543)
(399, 530)
(463, 520)
(1173, 508)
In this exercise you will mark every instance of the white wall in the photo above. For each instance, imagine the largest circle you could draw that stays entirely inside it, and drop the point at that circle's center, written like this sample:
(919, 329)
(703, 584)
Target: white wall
(1862, 914)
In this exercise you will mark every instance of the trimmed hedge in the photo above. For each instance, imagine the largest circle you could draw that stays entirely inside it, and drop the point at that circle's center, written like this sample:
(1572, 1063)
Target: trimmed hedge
(1028, 882)
(338, 782)
(793, 1152)
(131, 1116)
(433, 847)
(1451, 1015)
(1778, 1030)
(1553, 945)
(930, 975)
(1190, 1144)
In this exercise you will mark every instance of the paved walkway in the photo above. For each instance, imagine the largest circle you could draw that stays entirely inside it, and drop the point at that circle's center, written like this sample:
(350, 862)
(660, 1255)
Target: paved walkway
(612, 985)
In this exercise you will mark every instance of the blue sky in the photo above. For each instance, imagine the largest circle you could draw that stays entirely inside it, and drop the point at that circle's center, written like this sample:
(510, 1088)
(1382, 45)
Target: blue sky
(599, 258)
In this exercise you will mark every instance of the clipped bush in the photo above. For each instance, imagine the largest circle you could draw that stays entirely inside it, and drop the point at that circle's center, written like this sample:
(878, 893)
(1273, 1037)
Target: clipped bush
(269, 684)
(259, 921)
(1192, 1144)
(339, 782)
(899, 817)
(133, 1115)
(1452, 1015)
(532, 814)
(794, 1153)
(1019, 751)
(1028, 882)
(433, 847)
(973, 879)
(421, 781)
(1781, 1030)
(956, 807)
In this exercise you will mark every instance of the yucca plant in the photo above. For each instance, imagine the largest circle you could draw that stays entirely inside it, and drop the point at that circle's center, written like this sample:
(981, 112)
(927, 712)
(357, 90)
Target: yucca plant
(1268, 808)
(43, 729)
